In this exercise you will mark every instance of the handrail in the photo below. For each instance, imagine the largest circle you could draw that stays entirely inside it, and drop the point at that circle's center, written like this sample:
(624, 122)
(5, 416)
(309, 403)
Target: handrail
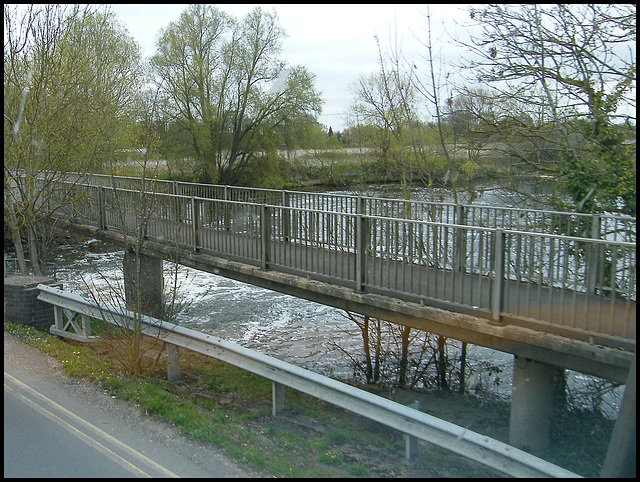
(225, 188)
(475, 446)
(362, 246)
(415, 221)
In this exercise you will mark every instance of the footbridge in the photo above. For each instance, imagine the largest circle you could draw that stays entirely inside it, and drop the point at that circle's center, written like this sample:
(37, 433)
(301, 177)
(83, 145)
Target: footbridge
(475, 273)
(556, 289)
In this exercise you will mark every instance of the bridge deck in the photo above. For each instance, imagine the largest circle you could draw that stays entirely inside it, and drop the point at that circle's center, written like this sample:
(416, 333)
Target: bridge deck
(541, 307)
(578, 287)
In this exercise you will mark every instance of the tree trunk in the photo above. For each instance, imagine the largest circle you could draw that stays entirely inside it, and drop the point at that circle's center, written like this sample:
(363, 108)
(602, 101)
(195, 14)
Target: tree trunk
(463, 365)
(404, 357)
(34, 252)
(442, 364)
(376, 368)
(367, 349)
(17, 240)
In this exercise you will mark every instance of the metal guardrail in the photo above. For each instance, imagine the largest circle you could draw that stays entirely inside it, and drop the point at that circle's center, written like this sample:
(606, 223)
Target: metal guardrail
(475, 446)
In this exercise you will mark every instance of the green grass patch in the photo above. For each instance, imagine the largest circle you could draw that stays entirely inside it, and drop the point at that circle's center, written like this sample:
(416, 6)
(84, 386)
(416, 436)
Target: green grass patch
(229, 408)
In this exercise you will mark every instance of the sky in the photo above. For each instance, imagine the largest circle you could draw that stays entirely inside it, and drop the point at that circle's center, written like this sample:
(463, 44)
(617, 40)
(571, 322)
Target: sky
(334, 41)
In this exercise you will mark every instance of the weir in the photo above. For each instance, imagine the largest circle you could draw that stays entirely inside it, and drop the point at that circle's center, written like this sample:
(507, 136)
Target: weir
(511, 283)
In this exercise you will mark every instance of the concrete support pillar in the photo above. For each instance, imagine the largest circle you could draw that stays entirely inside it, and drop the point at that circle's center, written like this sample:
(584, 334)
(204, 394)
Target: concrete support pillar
(531, 404)
(143, 293)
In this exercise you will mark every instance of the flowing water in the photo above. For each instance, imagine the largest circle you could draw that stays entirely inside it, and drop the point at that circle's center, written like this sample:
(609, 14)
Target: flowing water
(292, 329)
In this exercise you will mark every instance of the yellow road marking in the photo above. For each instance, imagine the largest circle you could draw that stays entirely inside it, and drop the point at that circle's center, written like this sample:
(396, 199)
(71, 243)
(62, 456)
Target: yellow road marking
(84, 437)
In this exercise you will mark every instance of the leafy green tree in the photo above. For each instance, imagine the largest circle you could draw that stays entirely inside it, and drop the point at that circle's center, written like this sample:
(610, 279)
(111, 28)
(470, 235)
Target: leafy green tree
(70, 73)
(225, 85)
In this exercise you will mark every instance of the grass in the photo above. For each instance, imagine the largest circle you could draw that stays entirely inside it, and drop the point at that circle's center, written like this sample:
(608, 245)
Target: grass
(234, 429)
(230, 409)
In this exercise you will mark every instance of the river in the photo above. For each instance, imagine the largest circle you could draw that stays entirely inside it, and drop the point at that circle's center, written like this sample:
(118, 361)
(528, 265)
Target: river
(292, 329)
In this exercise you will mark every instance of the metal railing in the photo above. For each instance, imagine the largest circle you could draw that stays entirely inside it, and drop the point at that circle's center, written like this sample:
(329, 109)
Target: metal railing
(475, 446)
(600, 226)
(584, 284)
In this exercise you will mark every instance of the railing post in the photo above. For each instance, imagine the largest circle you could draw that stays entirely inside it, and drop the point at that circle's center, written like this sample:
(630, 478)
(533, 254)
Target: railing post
(195, 221)
(102, 217)
(286, 216)
(361, 232)
(176, 190)
(265, 235)
(592, 259)
(460, 240)
(497, 287)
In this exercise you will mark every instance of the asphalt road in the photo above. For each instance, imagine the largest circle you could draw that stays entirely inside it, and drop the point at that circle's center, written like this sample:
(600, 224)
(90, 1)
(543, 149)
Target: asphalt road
(55, 426)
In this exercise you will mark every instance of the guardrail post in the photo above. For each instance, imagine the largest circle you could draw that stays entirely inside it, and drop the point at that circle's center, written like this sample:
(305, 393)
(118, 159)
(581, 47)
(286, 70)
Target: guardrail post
(173, 367)
(195, 222)
(411, 442)
(277, 389)
(592, 258)
(58, 317)
(498, 272)
(265, 235)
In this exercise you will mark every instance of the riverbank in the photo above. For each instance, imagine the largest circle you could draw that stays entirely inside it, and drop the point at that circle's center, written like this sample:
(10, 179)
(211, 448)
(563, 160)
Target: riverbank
(230, 409)
(340, 168)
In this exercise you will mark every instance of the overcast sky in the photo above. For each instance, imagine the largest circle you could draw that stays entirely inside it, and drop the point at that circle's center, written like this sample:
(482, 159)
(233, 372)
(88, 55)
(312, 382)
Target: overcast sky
(335, 42)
